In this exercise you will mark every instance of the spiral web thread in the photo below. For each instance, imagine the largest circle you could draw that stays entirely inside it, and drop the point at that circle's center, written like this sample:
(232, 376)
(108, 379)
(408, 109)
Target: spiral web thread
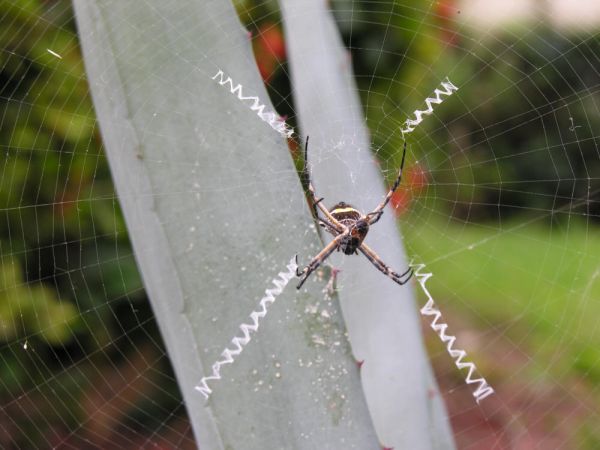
(448, 90)
(430, 309)
(274, 120)
(239, 342)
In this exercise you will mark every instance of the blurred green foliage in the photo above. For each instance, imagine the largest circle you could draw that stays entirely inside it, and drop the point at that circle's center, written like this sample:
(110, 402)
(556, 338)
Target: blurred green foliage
(31, 309)
(548, 287)
(54, 174)
(52, 165)
(72, 306)
(519, 137)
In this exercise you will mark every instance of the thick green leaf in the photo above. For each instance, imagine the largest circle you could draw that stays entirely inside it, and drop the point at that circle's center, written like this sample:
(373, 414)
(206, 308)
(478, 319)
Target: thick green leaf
(382, 322)
(215, 210)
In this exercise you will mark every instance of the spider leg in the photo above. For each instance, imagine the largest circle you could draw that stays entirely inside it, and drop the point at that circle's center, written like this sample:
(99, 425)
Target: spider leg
(377, 212)
(377, 216)
(316, 203)
(328, 219)
(401, 279)
(318, 260)
(324, 222)
(329, 228)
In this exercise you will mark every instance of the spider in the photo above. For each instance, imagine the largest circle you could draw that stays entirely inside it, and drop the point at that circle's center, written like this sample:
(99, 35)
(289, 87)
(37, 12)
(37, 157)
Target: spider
(349, 228)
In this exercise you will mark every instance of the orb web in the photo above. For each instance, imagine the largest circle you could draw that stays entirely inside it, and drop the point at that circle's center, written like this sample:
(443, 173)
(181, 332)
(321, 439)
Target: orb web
(499, 199)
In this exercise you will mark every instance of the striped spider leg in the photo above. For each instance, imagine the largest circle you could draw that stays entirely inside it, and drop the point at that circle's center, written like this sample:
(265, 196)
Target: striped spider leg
(317, 260)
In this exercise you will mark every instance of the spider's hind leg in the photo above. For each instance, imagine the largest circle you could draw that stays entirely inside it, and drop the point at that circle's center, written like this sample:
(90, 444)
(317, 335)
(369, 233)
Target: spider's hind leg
(298, 272)
(318, 260)
(401, 279)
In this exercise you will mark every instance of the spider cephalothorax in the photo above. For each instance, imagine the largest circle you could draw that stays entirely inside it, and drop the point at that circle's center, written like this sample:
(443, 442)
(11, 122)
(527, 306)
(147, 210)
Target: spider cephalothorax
(358, 225)
(349, 228)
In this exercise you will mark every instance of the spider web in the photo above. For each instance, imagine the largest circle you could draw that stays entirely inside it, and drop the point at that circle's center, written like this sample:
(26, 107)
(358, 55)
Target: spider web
(500, 199)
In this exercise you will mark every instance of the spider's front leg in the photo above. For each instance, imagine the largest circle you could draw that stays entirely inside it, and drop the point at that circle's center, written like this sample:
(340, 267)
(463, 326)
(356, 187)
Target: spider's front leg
(377, 212)
(318, 260)
(316, 203)
(331, 227)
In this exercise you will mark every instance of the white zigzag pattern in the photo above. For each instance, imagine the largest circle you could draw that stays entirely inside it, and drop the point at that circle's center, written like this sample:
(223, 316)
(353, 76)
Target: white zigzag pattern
(411, 124)
(276, 122)
(483, 390)
(239, 342)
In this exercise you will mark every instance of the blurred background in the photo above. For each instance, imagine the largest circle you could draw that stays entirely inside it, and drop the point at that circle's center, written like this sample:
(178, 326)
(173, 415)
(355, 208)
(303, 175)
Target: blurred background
(501, 200)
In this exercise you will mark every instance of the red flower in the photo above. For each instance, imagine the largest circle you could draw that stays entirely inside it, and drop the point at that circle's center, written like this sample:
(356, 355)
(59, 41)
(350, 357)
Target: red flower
(269, 49)
(414, 180)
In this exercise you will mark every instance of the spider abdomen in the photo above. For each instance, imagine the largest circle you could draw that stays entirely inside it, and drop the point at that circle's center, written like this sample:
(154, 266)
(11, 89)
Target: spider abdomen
(345, 214)
(350, 217)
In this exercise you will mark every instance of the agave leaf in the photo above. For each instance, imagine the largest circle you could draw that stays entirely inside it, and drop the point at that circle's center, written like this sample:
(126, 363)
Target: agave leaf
(380, 315)
(215, 210)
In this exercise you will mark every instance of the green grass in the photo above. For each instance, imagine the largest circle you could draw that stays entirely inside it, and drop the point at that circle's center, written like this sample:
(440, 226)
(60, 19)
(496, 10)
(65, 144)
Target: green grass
(539, 285)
